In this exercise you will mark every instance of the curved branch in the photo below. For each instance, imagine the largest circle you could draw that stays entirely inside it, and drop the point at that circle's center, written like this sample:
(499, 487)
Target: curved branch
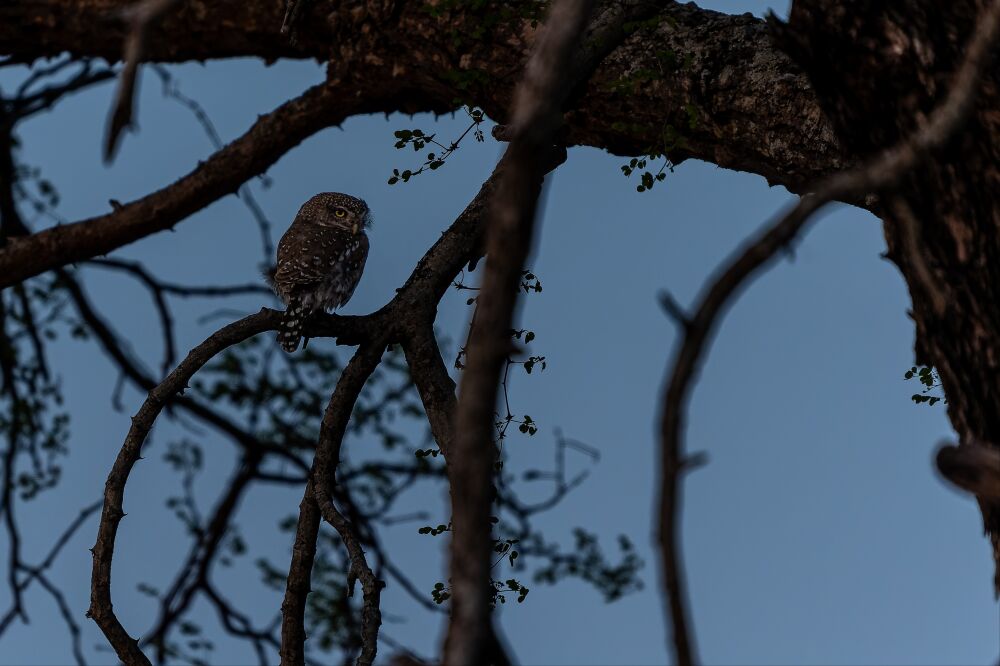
(101, 610)
(880, 173)
(331, 437)
(716, 79)
(223, 173)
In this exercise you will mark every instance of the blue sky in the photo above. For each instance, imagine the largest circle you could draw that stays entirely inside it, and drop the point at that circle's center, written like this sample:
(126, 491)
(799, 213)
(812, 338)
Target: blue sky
(817, 534)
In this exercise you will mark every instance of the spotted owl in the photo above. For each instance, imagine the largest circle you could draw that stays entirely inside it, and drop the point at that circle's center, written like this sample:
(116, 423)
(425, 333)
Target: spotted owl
(320, 260)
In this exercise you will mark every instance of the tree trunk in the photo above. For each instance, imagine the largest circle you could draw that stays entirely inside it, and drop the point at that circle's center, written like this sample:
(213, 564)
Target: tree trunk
(878, 69)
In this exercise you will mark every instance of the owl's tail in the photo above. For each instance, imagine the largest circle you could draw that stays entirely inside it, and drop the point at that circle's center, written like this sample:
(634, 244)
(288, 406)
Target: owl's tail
(290, 329)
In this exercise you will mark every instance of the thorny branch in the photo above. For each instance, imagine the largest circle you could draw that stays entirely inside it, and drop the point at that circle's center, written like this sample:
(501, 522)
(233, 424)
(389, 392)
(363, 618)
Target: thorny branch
(878, 175)
(331, 437)
(112, 513)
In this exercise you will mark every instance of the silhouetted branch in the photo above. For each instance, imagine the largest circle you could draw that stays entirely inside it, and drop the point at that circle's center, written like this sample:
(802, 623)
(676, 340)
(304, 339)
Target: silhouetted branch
(32, 572)
(193, 575)
(139, 17)
(157, 291)
(535, 118)
(67, 615)
(878, 174)
(272, 136)
(17, 411)
(335, 419)
(239, 625)
(171, 90)
(182, 291)
(101, 610)
(27, 102)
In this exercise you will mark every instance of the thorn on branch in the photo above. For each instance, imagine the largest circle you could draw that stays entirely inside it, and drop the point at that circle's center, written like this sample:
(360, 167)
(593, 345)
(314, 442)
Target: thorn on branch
(674, 309)
(693, 461)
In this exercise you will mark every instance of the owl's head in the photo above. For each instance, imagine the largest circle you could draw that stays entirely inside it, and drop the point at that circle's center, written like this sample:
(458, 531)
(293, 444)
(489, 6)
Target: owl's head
(336, 210)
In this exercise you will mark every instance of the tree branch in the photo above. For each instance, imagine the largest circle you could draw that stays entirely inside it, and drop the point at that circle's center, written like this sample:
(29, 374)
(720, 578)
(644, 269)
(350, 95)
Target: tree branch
(535, 118)
(715, 79)
(139, 18)
(101, 610)
(331, 437)
(879, 174)
(298, 582)
(221, 174)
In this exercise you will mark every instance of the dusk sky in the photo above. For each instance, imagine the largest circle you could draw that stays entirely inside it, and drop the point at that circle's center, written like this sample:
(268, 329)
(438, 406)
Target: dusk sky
(818, 532)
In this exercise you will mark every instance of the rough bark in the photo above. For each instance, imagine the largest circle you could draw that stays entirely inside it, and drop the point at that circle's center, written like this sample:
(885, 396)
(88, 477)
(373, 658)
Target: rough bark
(878, 70)
(719, 81)
(713, 78)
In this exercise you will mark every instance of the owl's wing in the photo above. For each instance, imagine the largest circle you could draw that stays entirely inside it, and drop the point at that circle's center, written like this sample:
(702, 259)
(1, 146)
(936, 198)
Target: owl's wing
(354, 266)
(301, 271)
(303, 258)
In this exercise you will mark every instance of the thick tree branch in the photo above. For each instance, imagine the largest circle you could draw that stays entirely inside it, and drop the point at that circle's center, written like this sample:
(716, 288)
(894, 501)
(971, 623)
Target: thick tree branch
(880, 173)
(973, 467)
(433, 384)
(535, 118)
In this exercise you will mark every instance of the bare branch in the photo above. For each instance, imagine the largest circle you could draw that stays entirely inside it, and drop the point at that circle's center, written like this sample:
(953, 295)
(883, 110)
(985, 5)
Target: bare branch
(536, 116)
(193, 575)
(139, 17)
(973, 467)
(880, 173)
(182, 291)
(101, 610)
(67, 615)
(50, 558)
(221, 174)
(9, 386)
(435, 387)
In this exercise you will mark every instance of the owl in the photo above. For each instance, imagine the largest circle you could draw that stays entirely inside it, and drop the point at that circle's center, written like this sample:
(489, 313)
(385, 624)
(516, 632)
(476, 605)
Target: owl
(320, 260)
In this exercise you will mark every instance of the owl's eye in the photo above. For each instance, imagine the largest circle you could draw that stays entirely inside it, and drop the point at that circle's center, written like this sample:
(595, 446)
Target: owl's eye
(340, 212)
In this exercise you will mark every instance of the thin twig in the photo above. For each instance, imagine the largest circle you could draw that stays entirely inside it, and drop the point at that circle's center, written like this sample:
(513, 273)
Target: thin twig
(50, 558)
(67, 615)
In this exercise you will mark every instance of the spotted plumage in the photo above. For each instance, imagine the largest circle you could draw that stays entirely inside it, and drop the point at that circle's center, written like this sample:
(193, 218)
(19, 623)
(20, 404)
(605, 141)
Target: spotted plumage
(320, 260)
